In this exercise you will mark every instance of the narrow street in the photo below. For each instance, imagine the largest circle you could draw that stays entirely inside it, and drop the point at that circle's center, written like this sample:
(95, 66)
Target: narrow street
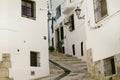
(66, 67)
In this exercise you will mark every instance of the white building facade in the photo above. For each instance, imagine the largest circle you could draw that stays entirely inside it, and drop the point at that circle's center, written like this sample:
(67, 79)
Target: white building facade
(103, 38)
(94, 37)
(71, 36)
(23, 32)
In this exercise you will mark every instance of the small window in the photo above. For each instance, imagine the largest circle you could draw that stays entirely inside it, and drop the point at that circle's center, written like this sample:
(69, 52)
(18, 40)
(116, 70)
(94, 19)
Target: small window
(100, 9)
(58, 11)
(34, 59)
(72, 27)
(109, 66)
(28, 9)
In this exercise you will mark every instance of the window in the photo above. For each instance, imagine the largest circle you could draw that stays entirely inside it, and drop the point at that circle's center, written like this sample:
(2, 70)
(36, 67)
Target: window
(58, 11)
(28, 9)
(72, 27)
(35, 59)
(100, 9)
(109, 66)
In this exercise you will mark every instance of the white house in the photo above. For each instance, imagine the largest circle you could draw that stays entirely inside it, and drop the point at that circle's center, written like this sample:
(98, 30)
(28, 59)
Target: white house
(24, 42)
(70, 34)
(103, 38)
(93, 36)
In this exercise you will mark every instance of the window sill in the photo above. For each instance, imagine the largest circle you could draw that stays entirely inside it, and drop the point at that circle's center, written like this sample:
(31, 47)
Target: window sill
(102, 19)
(109, 76)
(33, 18)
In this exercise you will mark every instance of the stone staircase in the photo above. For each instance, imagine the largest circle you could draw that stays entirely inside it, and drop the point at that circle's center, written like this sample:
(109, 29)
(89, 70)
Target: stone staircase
(77, 67)
(5, 64)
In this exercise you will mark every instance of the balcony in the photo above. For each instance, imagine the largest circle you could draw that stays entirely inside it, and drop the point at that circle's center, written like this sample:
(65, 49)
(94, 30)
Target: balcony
(68, 6)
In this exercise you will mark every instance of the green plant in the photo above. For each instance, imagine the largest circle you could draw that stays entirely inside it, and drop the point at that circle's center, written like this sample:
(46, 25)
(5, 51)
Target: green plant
(59, 46)
(51, 48)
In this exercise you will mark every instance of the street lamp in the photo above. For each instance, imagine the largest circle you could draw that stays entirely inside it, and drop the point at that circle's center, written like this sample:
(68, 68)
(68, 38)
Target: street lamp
(52, 19)
(49, 16)
(78, 12)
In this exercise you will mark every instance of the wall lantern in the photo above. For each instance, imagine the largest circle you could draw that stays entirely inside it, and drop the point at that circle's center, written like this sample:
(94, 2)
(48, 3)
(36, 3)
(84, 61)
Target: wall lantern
(49, 15)
(78, 12)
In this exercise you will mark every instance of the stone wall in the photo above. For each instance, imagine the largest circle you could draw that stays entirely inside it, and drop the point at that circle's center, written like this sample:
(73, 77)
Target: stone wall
(90, 63)
(96, 69)
(5, 64)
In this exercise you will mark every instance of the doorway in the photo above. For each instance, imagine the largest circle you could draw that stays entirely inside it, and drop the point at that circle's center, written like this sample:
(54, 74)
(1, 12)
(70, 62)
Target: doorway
(73, 49)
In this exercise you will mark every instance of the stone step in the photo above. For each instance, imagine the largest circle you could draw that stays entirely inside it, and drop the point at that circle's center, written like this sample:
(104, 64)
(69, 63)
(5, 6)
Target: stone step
(63, 55)
(4, 72)
(54, 71)
(5, 78)
(70, 59)
(6, 57)
(5, 64)
(75, 61)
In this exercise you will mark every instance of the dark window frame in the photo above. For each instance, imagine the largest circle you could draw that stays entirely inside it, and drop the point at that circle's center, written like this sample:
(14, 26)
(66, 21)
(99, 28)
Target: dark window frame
(58, 11)
(28, 9)
(72, 23)
(109, 66)
(34, 59)
(100, 10)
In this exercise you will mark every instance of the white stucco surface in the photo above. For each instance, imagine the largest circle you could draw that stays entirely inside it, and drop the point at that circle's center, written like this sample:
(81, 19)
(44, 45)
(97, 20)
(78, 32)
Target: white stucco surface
(25, 34)
(104, 40)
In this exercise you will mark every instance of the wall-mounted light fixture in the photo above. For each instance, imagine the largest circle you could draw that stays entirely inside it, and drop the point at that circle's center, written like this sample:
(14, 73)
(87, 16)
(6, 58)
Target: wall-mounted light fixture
(50, 16)
(78, 12)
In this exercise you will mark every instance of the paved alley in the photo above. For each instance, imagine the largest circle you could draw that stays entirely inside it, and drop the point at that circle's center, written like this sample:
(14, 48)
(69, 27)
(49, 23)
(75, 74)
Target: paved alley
(61, 63)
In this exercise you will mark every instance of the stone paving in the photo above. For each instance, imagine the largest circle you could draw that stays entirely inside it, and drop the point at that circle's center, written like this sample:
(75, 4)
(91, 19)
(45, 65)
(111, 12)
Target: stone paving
(77, 67)
(54, 72)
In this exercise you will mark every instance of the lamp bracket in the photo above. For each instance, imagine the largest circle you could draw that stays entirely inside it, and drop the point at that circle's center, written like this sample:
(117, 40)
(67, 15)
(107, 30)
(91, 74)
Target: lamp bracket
(83, 17)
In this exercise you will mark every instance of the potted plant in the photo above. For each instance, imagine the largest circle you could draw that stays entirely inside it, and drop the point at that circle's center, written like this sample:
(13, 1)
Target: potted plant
(59, 46)
(51, 48)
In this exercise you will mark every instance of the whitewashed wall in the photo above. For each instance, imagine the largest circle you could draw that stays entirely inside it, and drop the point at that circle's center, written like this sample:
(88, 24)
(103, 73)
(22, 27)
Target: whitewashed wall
(74, 37)
(26, 35)
(77, 36)
(104, 40)
(55, 4)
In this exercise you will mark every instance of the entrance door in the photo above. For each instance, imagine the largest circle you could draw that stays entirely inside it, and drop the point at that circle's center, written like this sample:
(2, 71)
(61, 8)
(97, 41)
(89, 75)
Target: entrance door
(73, 49)
(63, 50)
(82, 49)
